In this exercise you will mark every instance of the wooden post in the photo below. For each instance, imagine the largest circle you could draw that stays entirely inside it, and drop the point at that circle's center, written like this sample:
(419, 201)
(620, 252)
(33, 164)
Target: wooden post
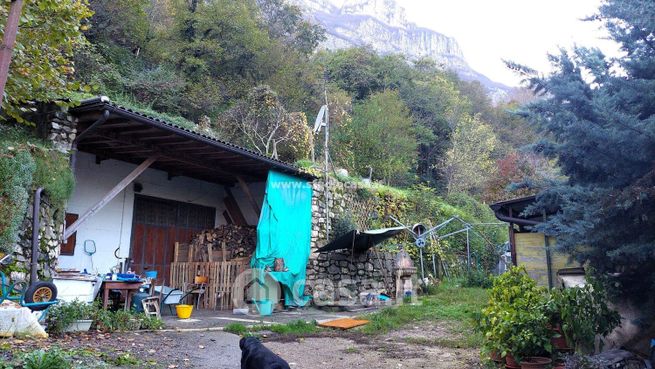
(246, 190)
(8, 42)
(109, 196)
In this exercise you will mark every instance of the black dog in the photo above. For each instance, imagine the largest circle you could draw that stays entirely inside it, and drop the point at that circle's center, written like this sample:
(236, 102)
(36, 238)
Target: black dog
(254, 355)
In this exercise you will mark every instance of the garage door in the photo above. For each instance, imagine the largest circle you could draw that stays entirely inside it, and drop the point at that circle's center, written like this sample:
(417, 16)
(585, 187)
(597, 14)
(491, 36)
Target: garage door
(157, 225)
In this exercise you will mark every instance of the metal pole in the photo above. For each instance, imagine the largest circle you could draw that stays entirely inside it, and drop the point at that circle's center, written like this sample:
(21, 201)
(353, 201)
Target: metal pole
(34, 263)
(326, 169)
(420, 251)
(468, 252)
(8, 42)
(434, 267)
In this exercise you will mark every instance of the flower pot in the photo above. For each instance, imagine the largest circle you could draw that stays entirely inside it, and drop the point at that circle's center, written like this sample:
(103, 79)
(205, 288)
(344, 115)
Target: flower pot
(495, 357)
(510, 362)
(79, 326)
(535, 362)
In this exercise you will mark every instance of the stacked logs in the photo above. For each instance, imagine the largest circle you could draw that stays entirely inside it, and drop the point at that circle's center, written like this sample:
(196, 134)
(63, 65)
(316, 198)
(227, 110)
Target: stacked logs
(225, 242)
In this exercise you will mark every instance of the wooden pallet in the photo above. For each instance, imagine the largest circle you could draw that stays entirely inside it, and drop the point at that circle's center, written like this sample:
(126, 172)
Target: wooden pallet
(221, 276)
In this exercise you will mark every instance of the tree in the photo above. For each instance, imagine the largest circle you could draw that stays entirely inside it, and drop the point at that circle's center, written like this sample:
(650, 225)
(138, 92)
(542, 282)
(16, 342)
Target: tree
(382, 137)
(468, 163)
(286, 23)
(124, 22)
(519, 174)
(431, 95)
(598, 116)
(262, 123)
(41, 69)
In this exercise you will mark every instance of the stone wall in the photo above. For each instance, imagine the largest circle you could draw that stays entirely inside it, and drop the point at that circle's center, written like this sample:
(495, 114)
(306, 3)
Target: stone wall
(51, 230)
(338, 277)
(58, 127)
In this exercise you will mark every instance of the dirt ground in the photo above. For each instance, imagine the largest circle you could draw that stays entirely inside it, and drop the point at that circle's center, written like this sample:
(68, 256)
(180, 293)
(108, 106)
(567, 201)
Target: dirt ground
(408, 348)
(425, 346)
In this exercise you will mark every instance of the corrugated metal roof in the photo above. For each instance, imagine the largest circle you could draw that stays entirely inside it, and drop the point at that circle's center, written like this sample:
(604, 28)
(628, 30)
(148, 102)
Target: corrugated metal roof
(103, 103)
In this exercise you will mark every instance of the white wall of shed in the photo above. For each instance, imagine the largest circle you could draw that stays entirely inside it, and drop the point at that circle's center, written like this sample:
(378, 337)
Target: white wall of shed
(111, 227)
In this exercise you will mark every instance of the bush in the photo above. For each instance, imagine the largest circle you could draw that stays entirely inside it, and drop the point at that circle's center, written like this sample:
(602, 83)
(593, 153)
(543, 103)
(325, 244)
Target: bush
(478, 278)
(53, 173)
(583, 313)
(121, 320)
(26, 163)
(16, 171)
(150, 322)
(51, 359)
(515, 319)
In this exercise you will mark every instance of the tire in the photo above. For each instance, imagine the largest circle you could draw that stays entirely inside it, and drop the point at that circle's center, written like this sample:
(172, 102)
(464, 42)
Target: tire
(40, 292)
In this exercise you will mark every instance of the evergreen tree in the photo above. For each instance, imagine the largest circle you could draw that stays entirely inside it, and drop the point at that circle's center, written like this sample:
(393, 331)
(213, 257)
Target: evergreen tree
(599, 116)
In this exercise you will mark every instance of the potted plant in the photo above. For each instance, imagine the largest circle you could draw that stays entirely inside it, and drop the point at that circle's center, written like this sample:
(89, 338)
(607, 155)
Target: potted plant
(528, 339)
(514, 322)
(75, 316)
(581, 313)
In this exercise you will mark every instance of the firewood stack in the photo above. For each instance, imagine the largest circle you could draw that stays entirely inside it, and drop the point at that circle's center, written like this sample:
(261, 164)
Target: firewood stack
(224, 243)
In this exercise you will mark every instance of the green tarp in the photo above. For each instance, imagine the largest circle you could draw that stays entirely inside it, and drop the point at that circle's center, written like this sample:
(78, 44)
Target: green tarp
(284, 231)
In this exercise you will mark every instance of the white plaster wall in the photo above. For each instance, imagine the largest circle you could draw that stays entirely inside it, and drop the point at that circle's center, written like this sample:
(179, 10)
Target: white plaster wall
(111, 227)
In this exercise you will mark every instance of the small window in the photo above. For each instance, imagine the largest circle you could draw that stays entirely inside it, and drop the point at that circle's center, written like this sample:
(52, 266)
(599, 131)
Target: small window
(68, 247)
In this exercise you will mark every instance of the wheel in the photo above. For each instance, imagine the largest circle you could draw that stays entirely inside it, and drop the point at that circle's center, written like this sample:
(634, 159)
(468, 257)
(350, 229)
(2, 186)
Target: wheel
(40, 292)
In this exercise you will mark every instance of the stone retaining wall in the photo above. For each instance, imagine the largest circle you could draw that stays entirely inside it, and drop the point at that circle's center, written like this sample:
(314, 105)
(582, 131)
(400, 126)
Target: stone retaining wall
(51, 230)
(338, 277)
(58, 127)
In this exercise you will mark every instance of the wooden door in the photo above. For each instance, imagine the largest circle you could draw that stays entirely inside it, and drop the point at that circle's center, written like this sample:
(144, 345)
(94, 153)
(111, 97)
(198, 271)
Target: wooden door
(157, 225)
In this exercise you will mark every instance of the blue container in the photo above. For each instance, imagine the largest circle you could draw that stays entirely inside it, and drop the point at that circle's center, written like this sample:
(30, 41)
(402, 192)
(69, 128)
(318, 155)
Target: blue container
(152, 274)
(265, 307)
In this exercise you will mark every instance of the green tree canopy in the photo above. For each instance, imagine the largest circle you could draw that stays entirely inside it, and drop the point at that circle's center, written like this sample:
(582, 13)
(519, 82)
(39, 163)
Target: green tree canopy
(41, 68)
(382, 137)
(468, 162)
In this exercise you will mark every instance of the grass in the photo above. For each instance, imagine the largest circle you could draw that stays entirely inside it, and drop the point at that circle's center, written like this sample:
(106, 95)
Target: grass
(297, 328)
(453, 307)
(457, 306)
(236, 328)
(131, 103)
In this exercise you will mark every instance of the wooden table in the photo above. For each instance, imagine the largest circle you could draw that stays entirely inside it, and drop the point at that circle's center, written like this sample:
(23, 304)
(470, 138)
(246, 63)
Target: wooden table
(128, 287)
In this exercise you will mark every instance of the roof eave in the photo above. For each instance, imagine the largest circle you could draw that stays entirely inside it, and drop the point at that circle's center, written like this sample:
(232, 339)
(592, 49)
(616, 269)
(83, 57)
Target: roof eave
(103, 103)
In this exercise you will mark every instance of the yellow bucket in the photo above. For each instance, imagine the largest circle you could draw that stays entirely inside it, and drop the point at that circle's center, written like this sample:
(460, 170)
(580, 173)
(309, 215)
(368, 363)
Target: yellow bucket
(184, 311)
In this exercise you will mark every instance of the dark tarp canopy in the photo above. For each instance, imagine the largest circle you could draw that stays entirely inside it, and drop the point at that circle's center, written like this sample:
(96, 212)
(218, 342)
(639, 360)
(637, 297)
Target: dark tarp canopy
(360, 241)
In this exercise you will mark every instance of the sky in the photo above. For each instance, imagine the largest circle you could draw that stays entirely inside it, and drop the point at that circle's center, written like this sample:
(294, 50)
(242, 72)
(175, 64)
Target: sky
(524, 31)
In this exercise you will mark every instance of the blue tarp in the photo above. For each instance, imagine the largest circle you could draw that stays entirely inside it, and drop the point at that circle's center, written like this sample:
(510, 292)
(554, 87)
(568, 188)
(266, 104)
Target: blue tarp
(284, 231)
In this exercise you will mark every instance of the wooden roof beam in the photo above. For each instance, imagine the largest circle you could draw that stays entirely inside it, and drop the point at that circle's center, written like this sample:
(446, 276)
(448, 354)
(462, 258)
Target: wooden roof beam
(164, 156)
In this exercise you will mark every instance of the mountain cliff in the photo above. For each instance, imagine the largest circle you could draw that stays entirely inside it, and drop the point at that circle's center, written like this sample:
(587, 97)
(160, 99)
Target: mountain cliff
(382, 24)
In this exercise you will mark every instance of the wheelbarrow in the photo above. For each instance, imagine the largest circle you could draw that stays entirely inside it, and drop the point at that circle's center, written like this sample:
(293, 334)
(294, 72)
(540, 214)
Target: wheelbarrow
(38, 296)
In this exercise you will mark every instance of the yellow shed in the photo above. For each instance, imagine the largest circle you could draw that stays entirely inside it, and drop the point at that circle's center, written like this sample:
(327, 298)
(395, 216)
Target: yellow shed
(531, 249)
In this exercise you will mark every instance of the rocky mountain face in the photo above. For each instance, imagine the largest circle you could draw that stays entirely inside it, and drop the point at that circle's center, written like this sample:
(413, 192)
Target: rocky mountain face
(382, 24)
